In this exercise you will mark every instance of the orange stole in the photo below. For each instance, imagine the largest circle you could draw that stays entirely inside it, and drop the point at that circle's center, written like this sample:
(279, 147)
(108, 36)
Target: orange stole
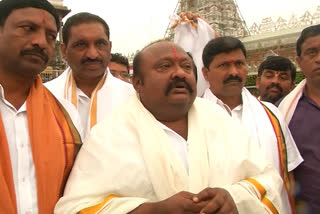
(54, 143)
(94, 96)
(282, 150)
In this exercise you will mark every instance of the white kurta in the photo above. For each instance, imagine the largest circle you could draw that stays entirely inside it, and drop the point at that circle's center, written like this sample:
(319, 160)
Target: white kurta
(15, 123)
(252, 115)
(110, 96)
(130, 155)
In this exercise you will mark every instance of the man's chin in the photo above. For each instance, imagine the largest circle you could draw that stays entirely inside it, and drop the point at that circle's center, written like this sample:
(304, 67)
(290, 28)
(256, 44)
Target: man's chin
(33, 68)
(272, 99)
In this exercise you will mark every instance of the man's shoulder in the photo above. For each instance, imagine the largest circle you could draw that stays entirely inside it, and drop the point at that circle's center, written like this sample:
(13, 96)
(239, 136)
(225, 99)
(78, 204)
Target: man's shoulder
(274, 109)
(73, 113)
(118, 86)
(212, 111)
(56, 86)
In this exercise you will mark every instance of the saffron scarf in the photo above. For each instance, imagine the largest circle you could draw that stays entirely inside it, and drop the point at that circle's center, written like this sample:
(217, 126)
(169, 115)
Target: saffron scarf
(54, 142)
(73, 98)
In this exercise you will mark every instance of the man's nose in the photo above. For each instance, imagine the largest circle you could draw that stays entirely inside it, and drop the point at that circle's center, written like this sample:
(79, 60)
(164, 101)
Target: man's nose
(275, 79)
(92, 52)
(40, 39)
(233, 70)
(318, 57)
(179, 72)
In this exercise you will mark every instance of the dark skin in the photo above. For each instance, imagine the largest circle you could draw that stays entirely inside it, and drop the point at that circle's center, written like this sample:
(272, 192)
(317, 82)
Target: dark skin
(88, 54)
(27, 41)
(172, 108)
(309, 62)
(166, 64)
(226, 75)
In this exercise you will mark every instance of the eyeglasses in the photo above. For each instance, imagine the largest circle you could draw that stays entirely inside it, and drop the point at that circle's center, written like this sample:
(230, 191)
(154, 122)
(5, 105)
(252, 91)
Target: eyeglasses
(123, 74)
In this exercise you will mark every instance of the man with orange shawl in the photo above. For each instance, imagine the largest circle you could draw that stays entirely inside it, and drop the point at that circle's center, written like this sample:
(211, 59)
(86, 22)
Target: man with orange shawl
(38, 140)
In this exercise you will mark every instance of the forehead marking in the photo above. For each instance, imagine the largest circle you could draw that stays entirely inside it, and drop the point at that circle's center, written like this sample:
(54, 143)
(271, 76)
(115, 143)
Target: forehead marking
(174, 51)
(43, 17)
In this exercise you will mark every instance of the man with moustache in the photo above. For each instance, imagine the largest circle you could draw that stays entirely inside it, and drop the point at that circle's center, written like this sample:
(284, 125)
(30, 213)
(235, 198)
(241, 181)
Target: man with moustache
(38, 141)
(224, 60)
(173, 152)
(301, 109)
(276, 75)
(88, 83)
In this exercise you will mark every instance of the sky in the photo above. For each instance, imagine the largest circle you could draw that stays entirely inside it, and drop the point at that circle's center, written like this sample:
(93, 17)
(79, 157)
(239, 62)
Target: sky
(134, 24)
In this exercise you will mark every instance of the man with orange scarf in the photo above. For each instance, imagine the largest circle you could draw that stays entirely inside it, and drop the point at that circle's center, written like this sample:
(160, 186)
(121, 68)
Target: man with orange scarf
(38, 141)
(88, 84)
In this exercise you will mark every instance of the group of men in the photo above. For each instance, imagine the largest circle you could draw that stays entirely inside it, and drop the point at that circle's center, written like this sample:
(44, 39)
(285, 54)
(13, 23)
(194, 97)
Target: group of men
(153, 146)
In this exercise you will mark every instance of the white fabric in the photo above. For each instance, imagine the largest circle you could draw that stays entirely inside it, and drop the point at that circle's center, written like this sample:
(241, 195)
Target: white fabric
(110, 96)
(16, 127)
(289, 103)
(257, 122)
(194, 40)
(130, 155)
(179, 144)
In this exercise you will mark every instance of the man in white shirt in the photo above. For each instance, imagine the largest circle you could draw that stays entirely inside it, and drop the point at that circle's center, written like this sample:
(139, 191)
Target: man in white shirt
(88, 83)
(38, 141)
(225, 69)
(166, 151)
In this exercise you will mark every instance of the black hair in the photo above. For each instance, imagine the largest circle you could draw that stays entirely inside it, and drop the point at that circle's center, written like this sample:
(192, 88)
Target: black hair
(81, 18)
(220, 45)
(120, 59)
(311, 31)
(278, 63)
(195, 70)
(7, 6)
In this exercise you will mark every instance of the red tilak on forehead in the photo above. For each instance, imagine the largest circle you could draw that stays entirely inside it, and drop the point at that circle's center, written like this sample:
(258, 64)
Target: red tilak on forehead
(232, 61)
(43, 18)
(174, 52)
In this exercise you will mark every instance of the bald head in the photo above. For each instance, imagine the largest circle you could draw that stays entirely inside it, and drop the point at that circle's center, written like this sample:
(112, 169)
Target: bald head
(153, 48)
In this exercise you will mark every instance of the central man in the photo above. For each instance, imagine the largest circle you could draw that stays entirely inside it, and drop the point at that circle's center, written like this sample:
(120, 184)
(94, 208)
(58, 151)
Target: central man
(166, 151)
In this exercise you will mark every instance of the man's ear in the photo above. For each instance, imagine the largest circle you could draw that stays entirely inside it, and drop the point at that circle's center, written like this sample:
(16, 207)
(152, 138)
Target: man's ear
(137, 82)
(205, 73)
(258, 82)
(298, 61)
(63, 50)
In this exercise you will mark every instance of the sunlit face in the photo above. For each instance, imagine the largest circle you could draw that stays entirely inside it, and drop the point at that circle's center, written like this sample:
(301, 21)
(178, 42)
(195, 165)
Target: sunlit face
(309, 61)
(166, 78)
(88, 50)
(119, 71)
(273, 85)
(27, 41)
(227, 74)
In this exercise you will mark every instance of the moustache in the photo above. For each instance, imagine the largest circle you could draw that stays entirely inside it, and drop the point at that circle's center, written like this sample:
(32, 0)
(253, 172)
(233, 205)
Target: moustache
(274, 85)
(36, 51)
(232, 78)
(85, 60)
(177, 82)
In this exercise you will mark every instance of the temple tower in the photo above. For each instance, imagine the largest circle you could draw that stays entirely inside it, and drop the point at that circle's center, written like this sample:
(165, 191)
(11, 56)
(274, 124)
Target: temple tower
(223, 15)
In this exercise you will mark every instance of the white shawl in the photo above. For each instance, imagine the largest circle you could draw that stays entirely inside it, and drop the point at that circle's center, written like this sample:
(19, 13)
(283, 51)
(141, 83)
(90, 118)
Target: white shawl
(129, 155)
(193, 39)
(289, 103)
